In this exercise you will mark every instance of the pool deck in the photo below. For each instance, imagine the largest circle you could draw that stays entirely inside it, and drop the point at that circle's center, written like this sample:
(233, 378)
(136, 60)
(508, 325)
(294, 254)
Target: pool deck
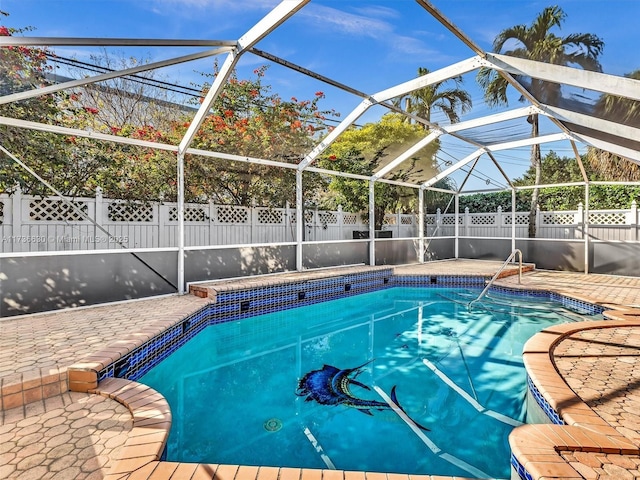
(587, 373)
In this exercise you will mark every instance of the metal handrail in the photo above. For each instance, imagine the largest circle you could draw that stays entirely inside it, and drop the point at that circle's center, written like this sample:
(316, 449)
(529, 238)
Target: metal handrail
(509, 259)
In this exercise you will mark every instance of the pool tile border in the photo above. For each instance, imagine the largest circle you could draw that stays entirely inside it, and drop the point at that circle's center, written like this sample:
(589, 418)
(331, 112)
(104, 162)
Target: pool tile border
(131, 358)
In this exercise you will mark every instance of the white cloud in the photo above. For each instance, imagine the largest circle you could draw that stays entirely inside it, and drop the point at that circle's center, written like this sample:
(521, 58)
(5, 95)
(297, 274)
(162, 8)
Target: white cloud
(344, 22)
(222, 5)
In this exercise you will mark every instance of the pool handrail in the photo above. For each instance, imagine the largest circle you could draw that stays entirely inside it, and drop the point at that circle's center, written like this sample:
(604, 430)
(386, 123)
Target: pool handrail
(510, 258)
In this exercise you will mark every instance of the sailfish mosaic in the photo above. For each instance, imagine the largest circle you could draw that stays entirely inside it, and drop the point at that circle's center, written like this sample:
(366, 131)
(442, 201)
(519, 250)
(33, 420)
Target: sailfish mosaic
(332, 386)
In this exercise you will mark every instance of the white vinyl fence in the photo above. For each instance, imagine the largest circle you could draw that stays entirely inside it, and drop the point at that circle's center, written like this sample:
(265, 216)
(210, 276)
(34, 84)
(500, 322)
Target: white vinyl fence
(606, 225)
(38, 224)
(32, 224)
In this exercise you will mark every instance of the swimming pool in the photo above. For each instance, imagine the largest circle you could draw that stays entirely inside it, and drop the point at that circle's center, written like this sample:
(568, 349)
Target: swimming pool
(314, 386)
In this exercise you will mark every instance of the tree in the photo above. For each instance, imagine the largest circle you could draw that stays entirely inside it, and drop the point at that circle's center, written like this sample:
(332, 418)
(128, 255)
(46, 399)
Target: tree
(556, 169)
(138, 100)
(24, 68)
(450, 101)
(364, 151)
(537, 42)
(248, 120)
(69, 164)
(621, 110)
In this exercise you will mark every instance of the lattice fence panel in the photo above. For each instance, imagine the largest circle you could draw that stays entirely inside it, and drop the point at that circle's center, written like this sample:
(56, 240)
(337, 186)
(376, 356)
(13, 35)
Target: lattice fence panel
(308, 217)
(406, 220)
(349, 218)
(51, 209)
(521, 219)
(558, 218)
(607, 218)
(451, 220)
(430, 220)
(191, 214)
(270, 217)
(232, 214)
(483, 220)
(1, 213)
(130, 212)
(328, 218)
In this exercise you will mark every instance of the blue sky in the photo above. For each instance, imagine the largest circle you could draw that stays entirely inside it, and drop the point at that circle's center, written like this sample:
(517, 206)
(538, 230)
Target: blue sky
(367, 44)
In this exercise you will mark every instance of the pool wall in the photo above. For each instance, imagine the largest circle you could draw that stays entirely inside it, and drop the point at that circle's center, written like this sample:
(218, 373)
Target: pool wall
(232, 301)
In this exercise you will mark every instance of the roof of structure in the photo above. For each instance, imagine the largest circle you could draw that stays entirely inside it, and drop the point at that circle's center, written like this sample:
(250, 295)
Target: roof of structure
(481, 134)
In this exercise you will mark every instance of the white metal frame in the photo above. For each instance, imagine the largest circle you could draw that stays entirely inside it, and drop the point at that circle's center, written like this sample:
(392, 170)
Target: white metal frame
(506, 66)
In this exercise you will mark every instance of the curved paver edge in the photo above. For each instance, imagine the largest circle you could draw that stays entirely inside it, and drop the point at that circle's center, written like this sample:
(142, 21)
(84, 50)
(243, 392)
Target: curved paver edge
(537, 447)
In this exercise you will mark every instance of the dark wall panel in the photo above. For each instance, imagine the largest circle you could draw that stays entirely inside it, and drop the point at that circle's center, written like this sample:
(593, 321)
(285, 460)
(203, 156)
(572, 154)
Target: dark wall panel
(214, 264)
(334, 254)
(397, 252)
(51, 282)
(615, 258)
(484, 248)
(565, 256)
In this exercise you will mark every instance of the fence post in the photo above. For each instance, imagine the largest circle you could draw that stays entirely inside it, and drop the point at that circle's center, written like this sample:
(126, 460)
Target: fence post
(499, 221)
(212, 224)
(16, 211)
(579, 219)
(7, 213)
(341, 223)
(163, 225)
(538, 219)
(98, 215)
(466, 221)
(634, 219)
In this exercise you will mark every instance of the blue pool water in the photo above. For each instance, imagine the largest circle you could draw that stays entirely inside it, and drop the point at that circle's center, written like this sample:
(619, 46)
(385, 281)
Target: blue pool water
(235, 395)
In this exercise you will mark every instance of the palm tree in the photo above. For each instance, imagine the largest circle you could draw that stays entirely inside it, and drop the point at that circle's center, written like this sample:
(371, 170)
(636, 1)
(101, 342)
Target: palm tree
(537, 42)
(621, 110)
(449, 101)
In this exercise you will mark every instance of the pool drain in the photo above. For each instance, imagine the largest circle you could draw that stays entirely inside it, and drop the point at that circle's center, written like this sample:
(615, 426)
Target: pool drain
(273, 425)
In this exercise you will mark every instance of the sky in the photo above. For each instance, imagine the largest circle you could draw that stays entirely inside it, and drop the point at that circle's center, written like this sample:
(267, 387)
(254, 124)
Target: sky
(369, 45)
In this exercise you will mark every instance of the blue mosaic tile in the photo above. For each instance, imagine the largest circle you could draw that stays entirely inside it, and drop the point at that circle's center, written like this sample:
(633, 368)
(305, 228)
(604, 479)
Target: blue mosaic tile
(439, 281)
(543, 404)
(239, 304)
(519, 468)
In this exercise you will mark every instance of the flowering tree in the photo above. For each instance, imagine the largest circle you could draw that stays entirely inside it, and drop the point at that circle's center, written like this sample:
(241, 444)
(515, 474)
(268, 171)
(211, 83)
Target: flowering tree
(21, 68)
(248, 120)
(68, 163)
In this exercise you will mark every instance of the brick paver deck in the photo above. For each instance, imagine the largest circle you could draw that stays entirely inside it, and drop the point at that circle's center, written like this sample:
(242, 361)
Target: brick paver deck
(74, 435)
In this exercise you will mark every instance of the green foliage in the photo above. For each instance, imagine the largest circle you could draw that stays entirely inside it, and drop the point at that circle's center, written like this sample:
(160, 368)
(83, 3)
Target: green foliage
(364, 151)
(353, 194)
(384, 141)
(556, 169)
(603, 197)
(246, 120)
(489, 202)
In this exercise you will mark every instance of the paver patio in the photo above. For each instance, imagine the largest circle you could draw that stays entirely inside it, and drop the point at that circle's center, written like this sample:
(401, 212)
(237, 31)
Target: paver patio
(76, 435)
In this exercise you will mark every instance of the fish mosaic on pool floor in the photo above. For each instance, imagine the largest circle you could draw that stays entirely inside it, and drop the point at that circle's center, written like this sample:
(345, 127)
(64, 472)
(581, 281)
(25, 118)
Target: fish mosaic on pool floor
(331, 386)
